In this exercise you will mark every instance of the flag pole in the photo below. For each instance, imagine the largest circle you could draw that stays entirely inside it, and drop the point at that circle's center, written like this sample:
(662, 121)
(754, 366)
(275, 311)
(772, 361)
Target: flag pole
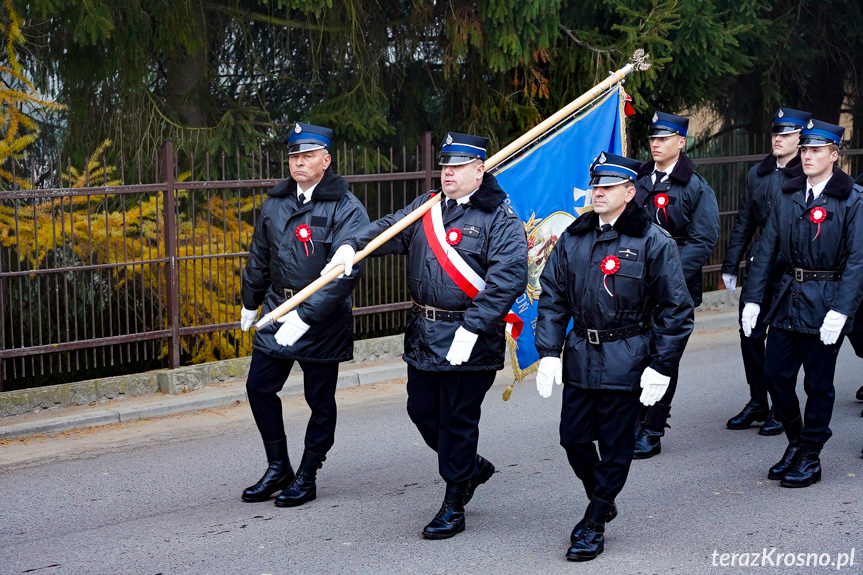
(638, 62)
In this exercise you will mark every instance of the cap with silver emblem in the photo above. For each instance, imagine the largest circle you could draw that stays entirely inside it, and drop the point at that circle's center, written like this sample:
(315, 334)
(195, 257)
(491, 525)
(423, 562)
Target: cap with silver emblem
(787, 121)
(611, 169)
(457, 149)
(664, 125)
(307, 138)
(818, 133)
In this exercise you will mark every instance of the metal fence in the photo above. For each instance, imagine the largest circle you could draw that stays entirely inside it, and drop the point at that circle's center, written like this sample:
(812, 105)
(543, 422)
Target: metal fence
(125, 277)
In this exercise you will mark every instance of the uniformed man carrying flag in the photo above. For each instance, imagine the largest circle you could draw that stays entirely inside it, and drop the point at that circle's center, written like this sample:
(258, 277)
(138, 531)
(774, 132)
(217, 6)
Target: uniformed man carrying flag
(467, 263)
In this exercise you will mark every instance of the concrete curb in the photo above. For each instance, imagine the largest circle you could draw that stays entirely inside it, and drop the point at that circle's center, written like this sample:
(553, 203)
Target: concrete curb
(233, 392)
(158, 404)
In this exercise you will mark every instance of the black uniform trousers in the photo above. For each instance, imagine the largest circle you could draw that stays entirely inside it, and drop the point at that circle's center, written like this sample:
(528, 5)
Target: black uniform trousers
(267, 375)
(445, 407)
(786, 352)
(608, 417)
(752, 349)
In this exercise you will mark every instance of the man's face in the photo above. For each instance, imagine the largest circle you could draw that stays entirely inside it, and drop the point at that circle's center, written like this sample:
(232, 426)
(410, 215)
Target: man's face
(610, 201)
(307, 168)
(666, 150)
(459, 181)
(785, 145)
(817, 160)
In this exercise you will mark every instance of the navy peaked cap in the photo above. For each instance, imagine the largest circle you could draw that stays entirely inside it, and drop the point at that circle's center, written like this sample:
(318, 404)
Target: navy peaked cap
(610, 169)
(457, 149)
(818, 133)
(787, 120)
(668, 125)
(306, 138)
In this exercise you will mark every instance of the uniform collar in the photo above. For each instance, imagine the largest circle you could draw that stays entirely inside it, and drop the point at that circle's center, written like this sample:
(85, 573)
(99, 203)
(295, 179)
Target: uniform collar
(818, 188)
(307, 193)
(462, 200)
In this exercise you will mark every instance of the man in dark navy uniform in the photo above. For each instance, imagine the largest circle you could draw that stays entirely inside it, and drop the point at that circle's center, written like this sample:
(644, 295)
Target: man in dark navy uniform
(302, 220)
(679, 200)
(815, 234)
(619, 279)
(763, 183)
(467, 263)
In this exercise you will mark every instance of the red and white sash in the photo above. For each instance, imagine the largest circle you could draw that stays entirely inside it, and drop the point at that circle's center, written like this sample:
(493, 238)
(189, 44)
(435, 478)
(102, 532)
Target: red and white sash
(458, 269)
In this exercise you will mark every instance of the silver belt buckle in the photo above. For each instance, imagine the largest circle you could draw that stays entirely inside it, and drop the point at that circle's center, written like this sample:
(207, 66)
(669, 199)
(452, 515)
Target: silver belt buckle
(798, 274)
(430, 314)
(288, 293)
(593, 336)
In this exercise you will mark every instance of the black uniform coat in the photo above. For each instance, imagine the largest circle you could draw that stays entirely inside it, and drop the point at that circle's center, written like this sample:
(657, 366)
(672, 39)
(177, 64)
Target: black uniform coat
(763, 183)
(278, 260)
(692, 215)
(787, 243)
(649, 286)
(493, 244)
(856, 335)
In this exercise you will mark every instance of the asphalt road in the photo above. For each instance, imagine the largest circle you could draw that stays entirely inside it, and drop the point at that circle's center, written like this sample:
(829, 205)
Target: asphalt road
(162, 495)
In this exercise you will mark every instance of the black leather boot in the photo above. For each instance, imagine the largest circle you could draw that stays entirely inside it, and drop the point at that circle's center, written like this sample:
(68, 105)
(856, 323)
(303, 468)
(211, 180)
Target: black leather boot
(860, 394)
(591, 542)
(302, 489)
(449, 521)
(751, 413)
(484, 471)
(648, 443)
(806, 469)
(771, 425)
(792, 431)
(579, 527)
(277, 476)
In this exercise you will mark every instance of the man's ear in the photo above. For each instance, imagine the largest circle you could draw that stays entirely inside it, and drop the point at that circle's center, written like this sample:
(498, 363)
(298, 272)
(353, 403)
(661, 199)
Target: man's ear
(480, 170)
(630, 194)
(681, 142)
(327, 160)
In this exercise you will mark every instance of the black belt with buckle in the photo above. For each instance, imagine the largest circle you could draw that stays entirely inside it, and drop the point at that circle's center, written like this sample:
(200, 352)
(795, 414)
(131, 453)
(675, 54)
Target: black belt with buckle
(597, 336)
(802, 275)
(285, 292)
(435, 314)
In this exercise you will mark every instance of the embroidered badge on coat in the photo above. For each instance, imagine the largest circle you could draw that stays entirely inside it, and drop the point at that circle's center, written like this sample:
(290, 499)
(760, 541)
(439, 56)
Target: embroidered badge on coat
(627, 254)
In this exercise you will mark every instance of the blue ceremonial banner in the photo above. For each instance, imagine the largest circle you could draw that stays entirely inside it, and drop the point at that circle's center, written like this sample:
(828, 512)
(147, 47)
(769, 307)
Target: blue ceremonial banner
(548, 186)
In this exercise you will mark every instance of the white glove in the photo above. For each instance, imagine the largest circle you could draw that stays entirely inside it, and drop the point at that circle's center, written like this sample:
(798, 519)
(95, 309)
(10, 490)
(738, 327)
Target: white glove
(462, 345)
(247, 318)
(292, 329)
(832, 327)
(749, 317)
(730, 281)
(653, 385)
(550, 372)
(343, 256)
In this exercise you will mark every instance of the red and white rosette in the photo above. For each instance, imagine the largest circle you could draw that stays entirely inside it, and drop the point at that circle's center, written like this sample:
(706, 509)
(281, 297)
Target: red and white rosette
(610, 265)
(660, 201)
(304, 234)
(816, 216)
(453, 236)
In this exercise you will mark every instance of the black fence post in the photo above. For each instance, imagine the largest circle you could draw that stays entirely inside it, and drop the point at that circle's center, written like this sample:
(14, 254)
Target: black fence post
(170, 231)
(427, 165)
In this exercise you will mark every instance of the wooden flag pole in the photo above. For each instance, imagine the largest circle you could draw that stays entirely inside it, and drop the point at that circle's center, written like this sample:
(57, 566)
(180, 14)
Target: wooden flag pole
(377, 242)
(638, 62)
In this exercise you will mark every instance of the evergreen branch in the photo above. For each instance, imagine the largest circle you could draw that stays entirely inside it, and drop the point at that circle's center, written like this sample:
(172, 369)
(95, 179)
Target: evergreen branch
(274, 21)
(584, 44)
